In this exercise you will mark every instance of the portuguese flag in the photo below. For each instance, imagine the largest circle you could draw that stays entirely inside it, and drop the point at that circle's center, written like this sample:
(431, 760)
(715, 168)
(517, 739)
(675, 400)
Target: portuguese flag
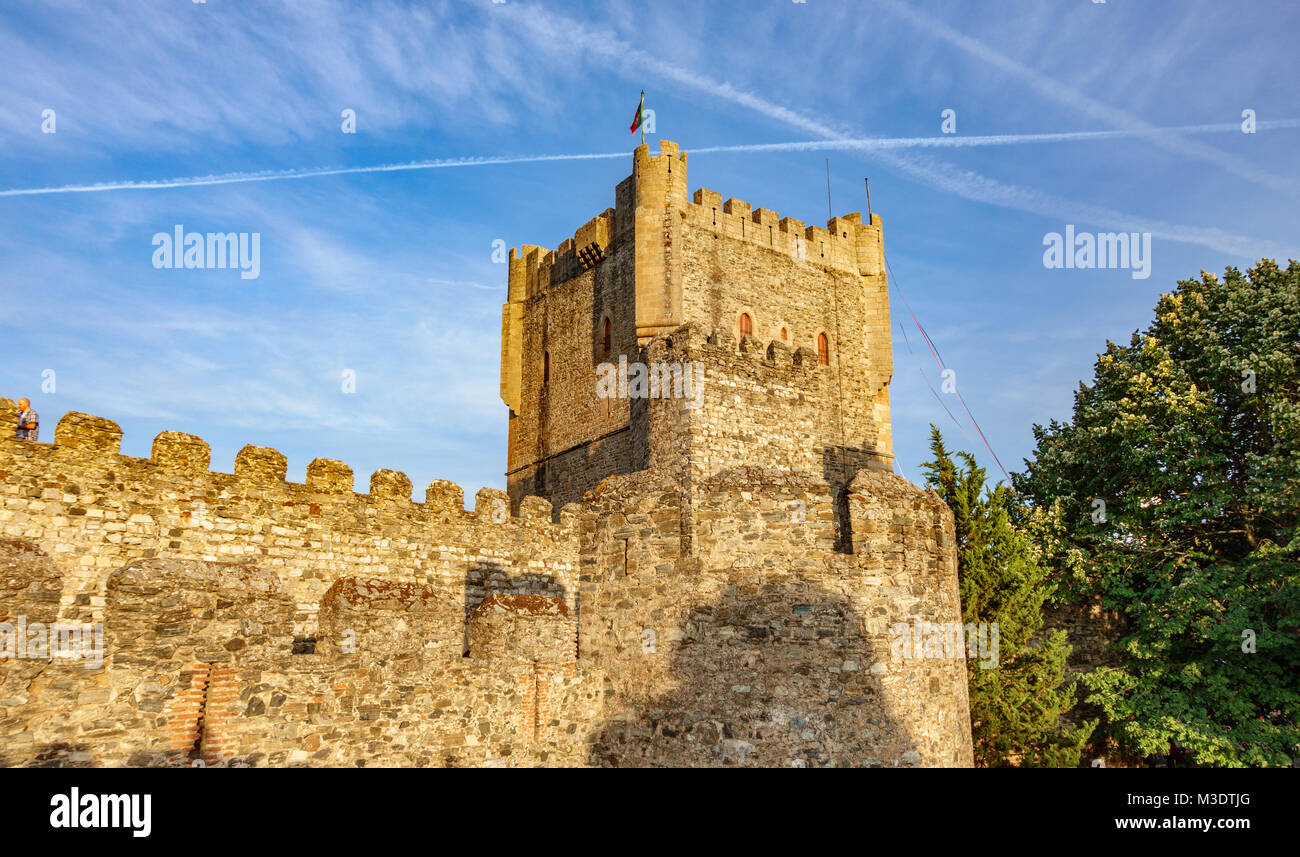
(640, 110)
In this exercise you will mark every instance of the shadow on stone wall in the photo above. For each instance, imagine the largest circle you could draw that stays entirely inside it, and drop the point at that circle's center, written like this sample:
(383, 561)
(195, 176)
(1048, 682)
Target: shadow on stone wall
(566, 476)
(777, 675)
(484, 579)
(30, 588)
(840, 464)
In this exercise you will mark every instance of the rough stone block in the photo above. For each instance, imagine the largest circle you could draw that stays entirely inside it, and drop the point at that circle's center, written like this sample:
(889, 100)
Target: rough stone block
(535, 510)
(492, 505)
(329, 476)
(444, 496)
(261, 464)
(92, 434)
(183, 453)
(390, 485)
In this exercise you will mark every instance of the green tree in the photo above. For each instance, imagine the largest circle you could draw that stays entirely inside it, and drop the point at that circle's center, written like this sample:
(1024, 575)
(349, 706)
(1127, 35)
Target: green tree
(1176, 487)
(1016, 707)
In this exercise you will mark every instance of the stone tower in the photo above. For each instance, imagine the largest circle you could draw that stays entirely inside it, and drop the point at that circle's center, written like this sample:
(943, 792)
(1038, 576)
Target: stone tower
(785, 326)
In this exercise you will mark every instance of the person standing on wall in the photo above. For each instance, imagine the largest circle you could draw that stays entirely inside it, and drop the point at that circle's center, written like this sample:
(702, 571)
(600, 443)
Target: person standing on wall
(28, 421)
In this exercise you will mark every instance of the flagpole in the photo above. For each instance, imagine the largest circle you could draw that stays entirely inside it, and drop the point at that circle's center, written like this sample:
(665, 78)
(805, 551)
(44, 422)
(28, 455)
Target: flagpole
(642, 112)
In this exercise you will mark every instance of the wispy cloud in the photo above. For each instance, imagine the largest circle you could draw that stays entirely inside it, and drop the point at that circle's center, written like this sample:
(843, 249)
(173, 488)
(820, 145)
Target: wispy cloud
(123, 74)
(1054, 90)
(387, 42)
(967, 183)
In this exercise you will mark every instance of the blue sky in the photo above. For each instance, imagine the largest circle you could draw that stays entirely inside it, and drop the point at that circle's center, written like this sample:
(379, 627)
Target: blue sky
(391, 274)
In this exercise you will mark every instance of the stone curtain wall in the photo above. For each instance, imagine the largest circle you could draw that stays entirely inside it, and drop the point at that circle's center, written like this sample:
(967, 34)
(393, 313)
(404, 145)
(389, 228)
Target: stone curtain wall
(94, 510)
(201, 673)
(262, 621)
(378, 632)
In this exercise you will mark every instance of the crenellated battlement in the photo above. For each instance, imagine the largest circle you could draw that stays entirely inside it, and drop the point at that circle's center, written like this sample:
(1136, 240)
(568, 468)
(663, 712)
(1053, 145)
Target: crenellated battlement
(95, 510)
(533, 269)
(251, 620)
(691, 343)
(845, 243)
(753, 388)
(177, 456)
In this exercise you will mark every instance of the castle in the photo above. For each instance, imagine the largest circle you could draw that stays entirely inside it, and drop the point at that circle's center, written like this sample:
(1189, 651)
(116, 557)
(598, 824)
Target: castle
(698, 565)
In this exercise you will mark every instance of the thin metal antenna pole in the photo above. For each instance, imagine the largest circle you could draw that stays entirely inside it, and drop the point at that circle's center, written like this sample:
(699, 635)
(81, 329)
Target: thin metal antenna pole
(829, 211)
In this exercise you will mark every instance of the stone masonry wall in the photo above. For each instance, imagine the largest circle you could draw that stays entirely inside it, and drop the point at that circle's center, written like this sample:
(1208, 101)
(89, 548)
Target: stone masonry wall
(563, 439)
(760, 405)
(769, 646)
(803, 281)
(391, 638)
(200, 673)
(270, 622)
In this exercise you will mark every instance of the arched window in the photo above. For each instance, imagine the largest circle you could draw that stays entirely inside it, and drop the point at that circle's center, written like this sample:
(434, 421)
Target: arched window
(784, 335)
(823, 350)
(746, 325)
(607, 342)
(546, 367)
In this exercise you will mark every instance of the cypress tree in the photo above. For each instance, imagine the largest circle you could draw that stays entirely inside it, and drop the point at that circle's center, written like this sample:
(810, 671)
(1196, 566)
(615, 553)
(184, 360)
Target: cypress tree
(1017, 706)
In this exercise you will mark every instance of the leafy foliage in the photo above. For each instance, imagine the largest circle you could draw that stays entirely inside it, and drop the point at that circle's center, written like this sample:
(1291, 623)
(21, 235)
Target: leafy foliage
(1175, 490)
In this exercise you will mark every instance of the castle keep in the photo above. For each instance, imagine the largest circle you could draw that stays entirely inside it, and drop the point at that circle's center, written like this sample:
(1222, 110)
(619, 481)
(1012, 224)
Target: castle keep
(794, 345)
(667, 581)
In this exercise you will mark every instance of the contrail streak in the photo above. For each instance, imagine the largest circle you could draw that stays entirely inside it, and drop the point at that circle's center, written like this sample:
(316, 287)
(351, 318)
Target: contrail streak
(956, 142)
(311, 172)
(860, 143)
(550, 28)
(1054, 90)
